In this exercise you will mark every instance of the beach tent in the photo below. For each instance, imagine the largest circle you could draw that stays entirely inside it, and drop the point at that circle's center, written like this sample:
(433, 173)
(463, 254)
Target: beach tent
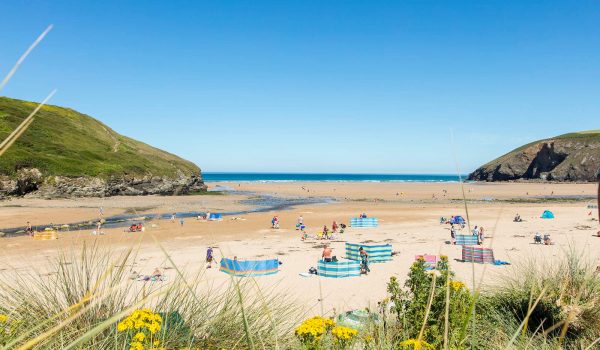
(338, 269)
(478, 255)
(457, 220)
(377, 252)
(547, 215)
(467, 240)
(364, 222)
(430, 261)
(215, 216)
(244, 268)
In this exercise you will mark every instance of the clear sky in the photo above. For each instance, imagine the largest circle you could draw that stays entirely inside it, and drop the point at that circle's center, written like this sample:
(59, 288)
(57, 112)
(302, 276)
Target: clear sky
(316, 86)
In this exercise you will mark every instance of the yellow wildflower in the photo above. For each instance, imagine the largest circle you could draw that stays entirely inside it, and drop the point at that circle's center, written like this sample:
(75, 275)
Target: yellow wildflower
(3, 318)
(417, 344)
(456, 285)
(344, 333)
(139, 336)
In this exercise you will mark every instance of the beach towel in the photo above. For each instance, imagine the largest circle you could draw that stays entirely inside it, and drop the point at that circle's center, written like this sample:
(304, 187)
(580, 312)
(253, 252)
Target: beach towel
(45, 235)
(245, 268)
(339, 269)
(364, 222)
(376, 252)
(430, 261)
(466, 240)
(478, 255)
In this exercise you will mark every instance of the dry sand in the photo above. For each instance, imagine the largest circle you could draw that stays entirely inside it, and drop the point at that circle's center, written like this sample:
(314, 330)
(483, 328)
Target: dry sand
(409, 219)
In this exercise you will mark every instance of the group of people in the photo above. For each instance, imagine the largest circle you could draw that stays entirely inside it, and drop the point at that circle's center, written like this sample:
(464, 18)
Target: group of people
(539, 240)
(327, 256)
(135, 227)
(477, 231)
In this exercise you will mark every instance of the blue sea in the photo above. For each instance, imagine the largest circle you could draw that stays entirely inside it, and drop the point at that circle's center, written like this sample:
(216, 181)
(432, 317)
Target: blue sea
(307, 177)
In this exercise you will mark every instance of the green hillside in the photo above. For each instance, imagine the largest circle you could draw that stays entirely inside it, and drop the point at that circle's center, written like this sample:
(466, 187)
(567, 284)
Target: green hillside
(61, 141)
(569, 157)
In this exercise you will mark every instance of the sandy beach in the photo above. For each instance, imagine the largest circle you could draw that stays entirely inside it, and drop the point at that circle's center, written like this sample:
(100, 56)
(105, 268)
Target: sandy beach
(409, 216)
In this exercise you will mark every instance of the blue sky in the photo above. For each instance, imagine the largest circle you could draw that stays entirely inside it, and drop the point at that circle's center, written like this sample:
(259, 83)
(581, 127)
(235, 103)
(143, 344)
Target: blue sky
(316, 86)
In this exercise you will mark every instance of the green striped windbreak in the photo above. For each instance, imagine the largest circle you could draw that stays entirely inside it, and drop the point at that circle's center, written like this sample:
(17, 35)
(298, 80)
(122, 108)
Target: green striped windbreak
(377, 252)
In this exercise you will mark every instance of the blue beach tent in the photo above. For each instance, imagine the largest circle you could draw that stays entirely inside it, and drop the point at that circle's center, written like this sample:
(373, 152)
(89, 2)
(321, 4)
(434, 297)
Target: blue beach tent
(457, 220)
(547, 215)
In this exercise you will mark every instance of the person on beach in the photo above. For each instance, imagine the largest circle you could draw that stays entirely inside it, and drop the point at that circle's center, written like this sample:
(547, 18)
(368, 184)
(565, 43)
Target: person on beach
(28, 229)
(364, 261)
(300, 221)
(327, 252)
(325, 232)
(481, 235)
(209, 257)
(453, 234)
(173, 217)
(181, 222)
(334, 227)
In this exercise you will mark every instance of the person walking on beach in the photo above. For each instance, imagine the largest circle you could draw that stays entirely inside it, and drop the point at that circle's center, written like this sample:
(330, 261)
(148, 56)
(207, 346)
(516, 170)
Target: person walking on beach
(209, 257)
(334, 227)
(300, 221)
(364, 261)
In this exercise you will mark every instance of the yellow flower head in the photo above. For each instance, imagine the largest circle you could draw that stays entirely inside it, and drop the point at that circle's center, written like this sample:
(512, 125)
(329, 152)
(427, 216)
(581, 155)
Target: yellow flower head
(3, 318)
(457, 285)
(417, 344)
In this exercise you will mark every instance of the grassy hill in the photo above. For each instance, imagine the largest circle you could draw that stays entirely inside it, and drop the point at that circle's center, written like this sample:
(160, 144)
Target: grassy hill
(64, 142)
(568, 157)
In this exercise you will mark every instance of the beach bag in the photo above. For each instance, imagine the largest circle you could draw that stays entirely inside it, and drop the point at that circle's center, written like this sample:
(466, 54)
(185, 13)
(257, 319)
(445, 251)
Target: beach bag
(313, 271)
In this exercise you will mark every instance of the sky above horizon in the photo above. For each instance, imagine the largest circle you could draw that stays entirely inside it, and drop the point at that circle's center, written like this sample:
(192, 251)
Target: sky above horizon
(316, 86)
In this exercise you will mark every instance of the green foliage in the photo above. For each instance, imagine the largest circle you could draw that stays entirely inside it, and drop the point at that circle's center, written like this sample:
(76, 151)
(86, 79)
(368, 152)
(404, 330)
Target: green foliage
(61, 141)
(570, 298)
(410, 304)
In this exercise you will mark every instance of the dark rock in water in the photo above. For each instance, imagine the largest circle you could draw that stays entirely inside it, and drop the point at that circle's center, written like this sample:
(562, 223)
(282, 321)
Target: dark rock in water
(570, 157)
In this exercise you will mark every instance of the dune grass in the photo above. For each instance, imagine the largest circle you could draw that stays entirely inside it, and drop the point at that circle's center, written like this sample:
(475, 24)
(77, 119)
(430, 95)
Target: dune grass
(89, 291)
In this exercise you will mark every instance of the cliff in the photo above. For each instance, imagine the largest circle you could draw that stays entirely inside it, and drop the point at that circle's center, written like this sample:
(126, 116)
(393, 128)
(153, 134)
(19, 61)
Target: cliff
(568, 157)
(64, 153)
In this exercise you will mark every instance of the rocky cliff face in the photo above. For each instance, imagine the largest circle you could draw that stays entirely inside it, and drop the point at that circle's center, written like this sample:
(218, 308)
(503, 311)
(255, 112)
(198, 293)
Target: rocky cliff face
(570, 157)
(31, 182)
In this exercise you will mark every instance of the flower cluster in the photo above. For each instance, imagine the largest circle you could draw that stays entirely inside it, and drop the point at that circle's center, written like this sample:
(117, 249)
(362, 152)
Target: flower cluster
(142, 325)
(311, 330)
(456, 285)
(416, 344)
(343, 335)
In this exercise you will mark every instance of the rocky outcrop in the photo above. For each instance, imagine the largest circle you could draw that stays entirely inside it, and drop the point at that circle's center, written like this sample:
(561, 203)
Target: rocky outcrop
(570, 157)
(31, 182)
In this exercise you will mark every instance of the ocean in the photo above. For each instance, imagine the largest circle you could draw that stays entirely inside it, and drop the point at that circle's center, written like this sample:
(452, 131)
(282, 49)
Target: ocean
(307, 177)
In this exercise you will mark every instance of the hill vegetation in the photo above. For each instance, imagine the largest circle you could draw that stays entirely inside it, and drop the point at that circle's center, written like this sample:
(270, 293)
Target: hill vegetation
(568, 157)
(64, 142)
